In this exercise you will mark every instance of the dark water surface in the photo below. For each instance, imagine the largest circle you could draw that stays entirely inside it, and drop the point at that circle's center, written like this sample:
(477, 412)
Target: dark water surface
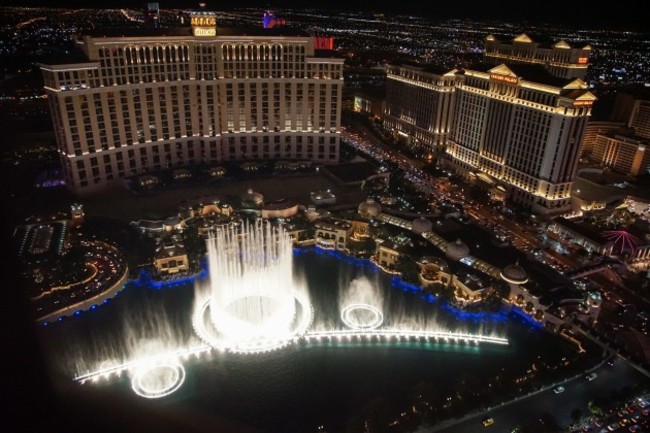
(304, 386)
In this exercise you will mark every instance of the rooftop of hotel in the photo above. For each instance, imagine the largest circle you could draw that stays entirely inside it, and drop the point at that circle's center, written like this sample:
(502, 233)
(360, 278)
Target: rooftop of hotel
(424, 67)
(529, 72)
(328, 54)
(540, 40)
(187, 31)
(627, 135)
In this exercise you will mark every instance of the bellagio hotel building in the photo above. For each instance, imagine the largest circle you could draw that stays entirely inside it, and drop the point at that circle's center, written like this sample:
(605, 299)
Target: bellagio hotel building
(514, 123)
(130, 104)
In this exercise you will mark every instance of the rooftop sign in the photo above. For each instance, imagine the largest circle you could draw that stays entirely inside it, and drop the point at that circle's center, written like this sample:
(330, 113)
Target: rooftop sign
(204, 24)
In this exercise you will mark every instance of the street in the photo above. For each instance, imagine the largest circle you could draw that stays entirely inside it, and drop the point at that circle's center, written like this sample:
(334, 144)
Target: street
(526, 412)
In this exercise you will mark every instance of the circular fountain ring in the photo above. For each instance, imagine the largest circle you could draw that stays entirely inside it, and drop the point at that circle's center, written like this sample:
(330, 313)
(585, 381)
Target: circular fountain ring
(352, 322)
(158, 379)
(206, 330)
(280, 315)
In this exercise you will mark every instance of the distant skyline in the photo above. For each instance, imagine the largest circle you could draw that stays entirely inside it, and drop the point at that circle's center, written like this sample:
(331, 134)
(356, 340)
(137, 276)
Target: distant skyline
(579, 14)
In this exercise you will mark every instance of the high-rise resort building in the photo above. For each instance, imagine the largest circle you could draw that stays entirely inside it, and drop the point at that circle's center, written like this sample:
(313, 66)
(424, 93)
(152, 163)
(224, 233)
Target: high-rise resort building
(624, 153)
(419, 104)
(593, 130)
(140, 101)
(640, 118)
(519, 129)
(559, 58)
(626, 149)
(514, 123)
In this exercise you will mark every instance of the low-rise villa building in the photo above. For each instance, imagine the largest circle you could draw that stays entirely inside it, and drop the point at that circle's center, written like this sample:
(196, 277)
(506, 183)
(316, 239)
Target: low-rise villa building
(171, 258)
(433, 271)
(332, 234)
(388, 254)
(360, 230)
(469, 288)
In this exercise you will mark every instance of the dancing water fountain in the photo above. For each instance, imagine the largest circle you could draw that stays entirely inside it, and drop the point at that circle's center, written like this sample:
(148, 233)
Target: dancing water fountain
(254, 303)
(361, 305)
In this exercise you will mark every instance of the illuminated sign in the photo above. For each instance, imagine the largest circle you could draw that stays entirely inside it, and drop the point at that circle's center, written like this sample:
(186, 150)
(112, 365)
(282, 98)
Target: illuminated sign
(504, 78)
(323, 43)
(583, 103)
(203, 31)
(357, 104)
(583, 60)
(204, 21)
(204, 24)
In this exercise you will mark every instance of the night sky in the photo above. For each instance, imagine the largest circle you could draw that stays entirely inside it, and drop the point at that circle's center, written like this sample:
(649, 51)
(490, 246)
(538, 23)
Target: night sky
(579, 14)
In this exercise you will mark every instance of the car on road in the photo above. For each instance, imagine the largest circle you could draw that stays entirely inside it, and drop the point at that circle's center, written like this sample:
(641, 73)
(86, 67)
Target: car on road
(487, 421)
(558, 390)
(591, 376)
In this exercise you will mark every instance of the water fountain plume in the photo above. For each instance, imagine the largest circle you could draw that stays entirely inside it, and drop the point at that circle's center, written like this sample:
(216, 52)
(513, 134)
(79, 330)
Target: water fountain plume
(254, 303)
(361, 304)
(361, 291)
(253, 300)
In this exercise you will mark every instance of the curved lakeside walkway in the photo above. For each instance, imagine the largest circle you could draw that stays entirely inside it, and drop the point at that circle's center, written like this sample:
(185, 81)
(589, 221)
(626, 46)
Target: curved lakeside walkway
(442, 244)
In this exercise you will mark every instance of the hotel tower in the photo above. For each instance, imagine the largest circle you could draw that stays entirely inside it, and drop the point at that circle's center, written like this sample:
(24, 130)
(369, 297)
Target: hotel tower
(141, 101)
(515, 127)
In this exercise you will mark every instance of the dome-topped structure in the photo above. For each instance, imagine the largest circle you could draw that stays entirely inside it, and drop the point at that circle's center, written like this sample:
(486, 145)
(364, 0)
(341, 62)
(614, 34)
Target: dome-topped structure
(369, 208)
(457, 250)
(251, 199)
(173, 223)
(514, 274)
(421, 225)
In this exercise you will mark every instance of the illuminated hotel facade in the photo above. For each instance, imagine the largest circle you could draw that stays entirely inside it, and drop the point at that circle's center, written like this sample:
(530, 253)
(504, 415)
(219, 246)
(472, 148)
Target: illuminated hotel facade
(625, 154)
(516, 128)
(419, 104)
(559, 58)
(199, 95)
(593, 130)
(624, 149)
(521, 137)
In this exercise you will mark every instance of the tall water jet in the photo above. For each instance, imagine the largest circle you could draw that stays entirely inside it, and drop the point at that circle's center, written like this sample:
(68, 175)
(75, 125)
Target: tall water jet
(253, 301)
(250, 278)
